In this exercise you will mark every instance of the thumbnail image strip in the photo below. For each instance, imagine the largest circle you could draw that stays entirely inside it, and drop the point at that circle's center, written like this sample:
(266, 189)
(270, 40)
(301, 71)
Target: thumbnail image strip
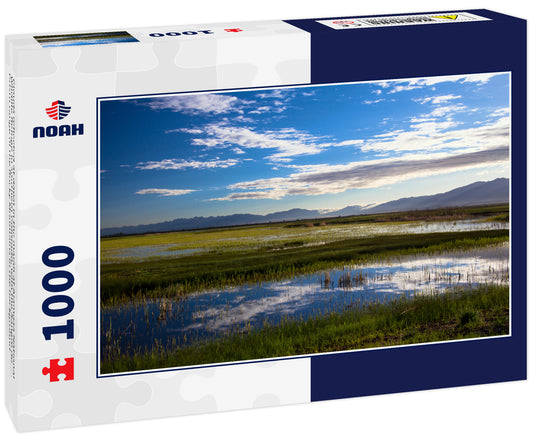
(93, 38)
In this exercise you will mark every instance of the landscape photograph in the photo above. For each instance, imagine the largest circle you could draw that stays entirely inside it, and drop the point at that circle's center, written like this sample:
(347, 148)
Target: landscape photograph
(267, 223)
(88, 38)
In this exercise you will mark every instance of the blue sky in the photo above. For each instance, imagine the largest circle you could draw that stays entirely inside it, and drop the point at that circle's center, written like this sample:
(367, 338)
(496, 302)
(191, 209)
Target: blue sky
(317, 147)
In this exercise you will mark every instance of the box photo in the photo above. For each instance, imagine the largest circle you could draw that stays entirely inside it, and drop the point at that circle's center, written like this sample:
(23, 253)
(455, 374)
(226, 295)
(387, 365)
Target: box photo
(263, 223)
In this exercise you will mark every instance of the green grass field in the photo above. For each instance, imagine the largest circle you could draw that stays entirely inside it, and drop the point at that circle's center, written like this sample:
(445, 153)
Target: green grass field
(222, 258)
(181, 276)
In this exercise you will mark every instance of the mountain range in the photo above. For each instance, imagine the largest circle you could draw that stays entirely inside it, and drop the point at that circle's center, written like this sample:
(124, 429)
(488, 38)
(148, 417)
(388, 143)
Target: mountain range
(477, 193)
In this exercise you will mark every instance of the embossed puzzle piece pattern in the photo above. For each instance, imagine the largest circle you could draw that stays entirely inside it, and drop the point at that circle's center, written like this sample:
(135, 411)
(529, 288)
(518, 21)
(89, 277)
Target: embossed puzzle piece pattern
(58, 379)
(84, 400)
(175, 70)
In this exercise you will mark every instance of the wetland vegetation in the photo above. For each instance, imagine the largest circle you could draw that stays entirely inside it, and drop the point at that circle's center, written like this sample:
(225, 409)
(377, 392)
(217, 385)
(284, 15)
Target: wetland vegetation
(302, 287)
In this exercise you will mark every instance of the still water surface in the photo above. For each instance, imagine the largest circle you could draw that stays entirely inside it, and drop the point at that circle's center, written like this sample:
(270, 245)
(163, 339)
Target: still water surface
(313, 236)
(211, 314)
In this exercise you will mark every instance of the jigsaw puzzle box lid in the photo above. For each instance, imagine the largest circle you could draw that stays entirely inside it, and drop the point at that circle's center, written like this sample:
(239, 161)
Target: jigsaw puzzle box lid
(213, 217)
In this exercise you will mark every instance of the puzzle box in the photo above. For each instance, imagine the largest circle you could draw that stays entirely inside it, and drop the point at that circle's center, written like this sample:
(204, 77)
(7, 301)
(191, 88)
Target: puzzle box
(214, 217)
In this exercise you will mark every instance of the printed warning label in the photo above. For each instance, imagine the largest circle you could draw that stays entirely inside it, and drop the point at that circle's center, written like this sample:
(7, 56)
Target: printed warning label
(401, 20)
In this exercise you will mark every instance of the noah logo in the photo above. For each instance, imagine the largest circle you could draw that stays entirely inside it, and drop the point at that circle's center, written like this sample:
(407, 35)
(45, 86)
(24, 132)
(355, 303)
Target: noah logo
(57, 111)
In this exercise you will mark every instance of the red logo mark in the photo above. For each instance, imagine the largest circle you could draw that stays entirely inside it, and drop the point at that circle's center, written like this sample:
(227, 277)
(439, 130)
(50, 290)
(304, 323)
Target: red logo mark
(55, 369)
(58, 110)
(233, 30)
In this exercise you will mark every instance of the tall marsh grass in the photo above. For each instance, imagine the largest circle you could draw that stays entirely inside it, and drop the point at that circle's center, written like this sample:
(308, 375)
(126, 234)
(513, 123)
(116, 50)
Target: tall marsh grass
(179, 277)
(459, 314)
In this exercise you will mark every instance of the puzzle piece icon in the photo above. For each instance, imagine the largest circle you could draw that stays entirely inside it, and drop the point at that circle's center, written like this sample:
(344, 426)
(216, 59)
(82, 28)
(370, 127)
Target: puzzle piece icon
(56, 369)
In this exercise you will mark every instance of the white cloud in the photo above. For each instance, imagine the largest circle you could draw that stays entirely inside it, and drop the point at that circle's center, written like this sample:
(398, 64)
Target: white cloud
(180, 164)
(324, 179)
(481, 78)
(370, 102)
(185, 130)
(285, 143)
(164, 192)
(430, 147)
(410, 86)
(446, 110)
(478, 78)
(398, 86)
(431, 136)
(437, 99)
(274, 101)
(500, 112)
(273, 94)
(198, 104)
(431, 127)
(277, 108)
(348, 143)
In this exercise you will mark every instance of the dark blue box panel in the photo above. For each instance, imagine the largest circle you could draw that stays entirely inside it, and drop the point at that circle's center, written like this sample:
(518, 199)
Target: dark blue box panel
(414, 51)
(415, 368)
(419, 51)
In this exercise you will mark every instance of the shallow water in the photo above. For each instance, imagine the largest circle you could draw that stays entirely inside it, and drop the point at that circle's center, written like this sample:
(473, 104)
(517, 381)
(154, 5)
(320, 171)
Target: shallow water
(215, 313)
(310, 237)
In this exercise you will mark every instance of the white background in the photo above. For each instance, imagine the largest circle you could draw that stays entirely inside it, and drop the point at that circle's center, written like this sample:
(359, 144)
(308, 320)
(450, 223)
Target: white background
(487, 414)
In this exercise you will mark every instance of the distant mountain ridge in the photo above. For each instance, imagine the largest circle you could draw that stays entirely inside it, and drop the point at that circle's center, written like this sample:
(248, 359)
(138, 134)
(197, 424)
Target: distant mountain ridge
(477, 193)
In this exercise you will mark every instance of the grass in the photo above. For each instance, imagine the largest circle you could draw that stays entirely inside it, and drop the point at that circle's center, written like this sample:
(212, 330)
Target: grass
(502, 217)
(282, 235)
(233, 256)
(175, 277)
(121, 241)
(459, 314)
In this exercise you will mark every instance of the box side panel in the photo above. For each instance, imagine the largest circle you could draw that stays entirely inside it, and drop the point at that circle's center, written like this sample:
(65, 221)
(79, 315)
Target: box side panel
(58, 197)
(10, 199)
(141, 36)
(406, 52)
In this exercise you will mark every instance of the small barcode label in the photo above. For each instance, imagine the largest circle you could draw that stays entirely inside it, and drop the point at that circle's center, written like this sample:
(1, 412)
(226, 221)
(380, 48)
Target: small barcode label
(401, 20)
